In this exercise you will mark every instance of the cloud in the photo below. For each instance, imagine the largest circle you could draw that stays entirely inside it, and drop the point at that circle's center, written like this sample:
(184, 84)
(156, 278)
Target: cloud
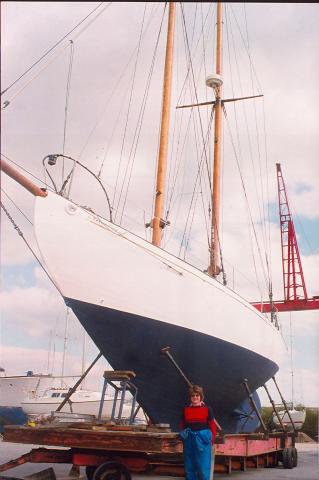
(18, 360)
(306, 388)
(32, 309)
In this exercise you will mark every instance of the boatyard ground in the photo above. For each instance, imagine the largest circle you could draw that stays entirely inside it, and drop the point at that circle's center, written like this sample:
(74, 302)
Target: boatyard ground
(307, 466)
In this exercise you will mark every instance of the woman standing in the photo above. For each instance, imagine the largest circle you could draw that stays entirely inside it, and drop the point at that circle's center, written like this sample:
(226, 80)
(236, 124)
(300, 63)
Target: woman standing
(198, 433)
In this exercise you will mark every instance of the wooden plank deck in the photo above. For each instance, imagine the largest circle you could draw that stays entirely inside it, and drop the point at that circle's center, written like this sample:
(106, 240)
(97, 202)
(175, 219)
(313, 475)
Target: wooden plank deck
(125, 441)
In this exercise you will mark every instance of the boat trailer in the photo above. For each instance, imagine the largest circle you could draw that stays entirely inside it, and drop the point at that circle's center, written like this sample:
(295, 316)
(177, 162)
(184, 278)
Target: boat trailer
(115, 449)
(122, 450)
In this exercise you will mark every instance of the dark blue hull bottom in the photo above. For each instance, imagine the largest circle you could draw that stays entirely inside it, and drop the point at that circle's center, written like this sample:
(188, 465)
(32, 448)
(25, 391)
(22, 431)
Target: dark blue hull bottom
(11, 416)
(131, 342)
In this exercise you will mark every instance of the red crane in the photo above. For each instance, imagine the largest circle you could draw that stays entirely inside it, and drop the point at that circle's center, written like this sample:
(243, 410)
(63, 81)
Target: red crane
(295, 292)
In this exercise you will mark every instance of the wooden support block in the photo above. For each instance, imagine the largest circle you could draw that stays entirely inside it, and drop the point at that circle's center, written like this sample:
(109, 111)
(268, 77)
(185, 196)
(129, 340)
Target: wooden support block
(119, 375)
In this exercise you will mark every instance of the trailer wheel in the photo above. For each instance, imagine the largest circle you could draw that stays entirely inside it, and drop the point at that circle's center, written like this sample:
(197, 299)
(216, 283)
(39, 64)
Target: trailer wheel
(89, 470)
(288, 457)
(111, 471)
(294, 456)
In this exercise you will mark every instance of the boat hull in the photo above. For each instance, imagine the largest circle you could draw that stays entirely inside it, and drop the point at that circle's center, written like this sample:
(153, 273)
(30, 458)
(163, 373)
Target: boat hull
(134, 299)
(46, 407)
(13, 389)
(298, 418)
(134, 342)
(11, 416)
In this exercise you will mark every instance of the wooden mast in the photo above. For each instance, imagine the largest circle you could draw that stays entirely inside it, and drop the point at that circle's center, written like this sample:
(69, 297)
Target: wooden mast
(214, 268)
(157, 223)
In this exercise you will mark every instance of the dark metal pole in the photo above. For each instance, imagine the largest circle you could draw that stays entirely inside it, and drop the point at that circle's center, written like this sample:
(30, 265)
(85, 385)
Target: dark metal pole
(285, 405)
(166, 351)
(102, 399)
(253, 404)
(73, 389)
(274, 407)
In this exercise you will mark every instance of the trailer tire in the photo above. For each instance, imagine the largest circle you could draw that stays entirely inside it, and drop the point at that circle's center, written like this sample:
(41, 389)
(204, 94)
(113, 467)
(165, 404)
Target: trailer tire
(288, 458)
(294, 456)
(89, 471)
(111, 471)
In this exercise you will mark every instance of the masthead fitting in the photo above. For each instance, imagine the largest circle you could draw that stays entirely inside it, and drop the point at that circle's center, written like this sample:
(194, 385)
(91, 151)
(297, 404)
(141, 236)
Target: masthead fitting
(214, 81)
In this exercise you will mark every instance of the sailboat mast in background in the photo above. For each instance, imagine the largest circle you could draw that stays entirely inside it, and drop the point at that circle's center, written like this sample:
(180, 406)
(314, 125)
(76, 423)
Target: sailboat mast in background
(157, 222)
(215, 82)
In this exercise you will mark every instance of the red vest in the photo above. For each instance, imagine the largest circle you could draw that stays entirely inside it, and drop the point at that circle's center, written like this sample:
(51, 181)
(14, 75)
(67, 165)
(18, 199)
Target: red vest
(199, 415)
(196, 414)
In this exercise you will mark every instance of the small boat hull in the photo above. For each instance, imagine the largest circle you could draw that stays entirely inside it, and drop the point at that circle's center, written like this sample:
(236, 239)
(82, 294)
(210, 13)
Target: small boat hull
(297, 416)
(46, 407)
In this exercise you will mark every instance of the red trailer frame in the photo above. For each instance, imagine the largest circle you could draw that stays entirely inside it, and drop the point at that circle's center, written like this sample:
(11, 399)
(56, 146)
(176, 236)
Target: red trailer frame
(124, 450)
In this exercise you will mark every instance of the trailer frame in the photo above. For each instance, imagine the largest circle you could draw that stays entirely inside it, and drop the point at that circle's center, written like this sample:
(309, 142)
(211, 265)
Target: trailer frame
(122, 450)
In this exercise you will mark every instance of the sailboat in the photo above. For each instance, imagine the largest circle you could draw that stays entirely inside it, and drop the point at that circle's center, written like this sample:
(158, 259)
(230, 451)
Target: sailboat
(134, 298)
(293, 418)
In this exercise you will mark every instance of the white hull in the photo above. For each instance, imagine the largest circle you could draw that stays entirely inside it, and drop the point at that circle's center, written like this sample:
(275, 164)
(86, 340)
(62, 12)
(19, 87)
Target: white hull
(14, 389)
(45, 408)
(95, 261)
(298, 417)
(45, 405)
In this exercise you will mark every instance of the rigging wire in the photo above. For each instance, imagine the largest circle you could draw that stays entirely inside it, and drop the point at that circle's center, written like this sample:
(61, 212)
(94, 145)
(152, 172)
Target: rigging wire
(183, 92)
(247, 50)
(259, 202)
(132, 155)
(228, 29)
(267, 183)
(195, 91)
(200, 166)
(8, 102)
(12, 201)
(246, 197)
(189, 66)
(262, 186)
(117, 83)
(262, 214)
(129, 106)
(53, 47)
(68, 87)
(20, 233)
(200, 170)
(197, 101)
(179, 152)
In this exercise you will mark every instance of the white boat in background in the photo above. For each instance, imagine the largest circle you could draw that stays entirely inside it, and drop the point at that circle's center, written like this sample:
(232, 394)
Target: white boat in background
(47, 401)
(14, 388)
(84, 402)
(297, 416)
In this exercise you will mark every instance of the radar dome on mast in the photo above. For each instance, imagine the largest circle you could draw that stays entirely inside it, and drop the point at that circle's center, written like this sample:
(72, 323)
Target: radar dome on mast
(214, 80)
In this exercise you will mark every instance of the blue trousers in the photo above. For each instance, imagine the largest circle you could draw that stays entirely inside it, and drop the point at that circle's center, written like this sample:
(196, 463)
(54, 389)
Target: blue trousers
(197, 453)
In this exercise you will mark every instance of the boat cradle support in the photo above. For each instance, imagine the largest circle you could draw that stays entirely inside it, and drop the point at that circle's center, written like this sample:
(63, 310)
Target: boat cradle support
(124, 378)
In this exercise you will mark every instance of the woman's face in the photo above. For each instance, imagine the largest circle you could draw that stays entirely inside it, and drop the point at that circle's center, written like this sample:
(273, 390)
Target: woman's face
(195, 399)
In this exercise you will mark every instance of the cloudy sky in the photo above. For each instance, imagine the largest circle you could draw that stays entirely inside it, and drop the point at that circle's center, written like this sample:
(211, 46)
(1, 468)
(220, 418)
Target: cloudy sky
(108, 81)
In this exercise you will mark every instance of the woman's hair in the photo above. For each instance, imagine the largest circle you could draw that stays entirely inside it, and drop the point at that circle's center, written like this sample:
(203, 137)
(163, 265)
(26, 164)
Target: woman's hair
(196, 389)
